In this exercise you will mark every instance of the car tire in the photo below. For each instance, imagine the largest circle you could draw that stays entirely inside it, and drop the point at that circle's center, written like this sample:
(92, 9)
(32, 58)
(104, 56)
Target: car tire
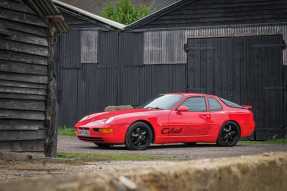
(139, 136)
(103, 146)
(229, 134)
(190, 144)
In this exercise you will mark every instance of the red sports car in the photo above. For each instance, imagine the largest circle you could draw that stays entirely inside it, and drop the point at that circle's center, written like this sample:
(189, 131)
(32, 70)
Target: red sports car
(171, 118)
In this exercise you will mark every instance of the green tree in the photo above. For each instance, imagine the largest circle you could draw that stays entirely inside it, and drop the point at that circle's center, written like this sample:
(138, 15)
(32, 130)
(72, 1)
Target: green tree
(125, 12)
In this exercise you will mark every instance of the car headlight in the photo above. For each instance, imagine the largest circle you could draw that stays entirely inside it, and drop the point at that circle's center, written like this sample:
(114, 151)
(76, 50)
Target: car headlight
(84, 118)
(96, 123)
(109, 120)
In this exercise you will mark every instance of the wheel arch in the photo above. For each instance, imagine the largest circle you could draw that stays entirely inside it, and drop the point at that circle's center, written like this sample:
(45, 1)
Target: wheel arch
(234, 141)
(148, 123)
(238, 125)
(230, 120)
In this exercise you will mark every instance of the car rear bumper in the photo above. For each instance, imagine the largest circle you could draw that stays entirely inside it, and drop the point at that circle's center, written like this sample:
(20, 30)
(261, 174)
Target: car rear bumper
(248, 130)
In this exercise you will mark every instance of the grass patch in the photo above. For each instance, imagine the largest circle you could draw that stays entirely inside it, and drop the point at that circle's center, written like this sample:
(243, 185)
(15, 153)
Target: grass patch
(271, 141)
(66, 131)
(108, 157)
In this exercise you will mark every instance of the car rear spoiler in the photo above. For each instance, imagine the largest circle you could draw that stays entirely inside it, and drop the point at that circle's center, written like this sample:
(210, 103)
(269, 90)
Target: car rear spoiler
(248, 107)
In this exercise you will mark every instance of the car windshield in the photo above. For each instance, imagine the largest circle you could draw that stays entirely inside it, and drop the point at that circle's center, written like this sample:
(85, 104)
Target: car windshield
(163, 102)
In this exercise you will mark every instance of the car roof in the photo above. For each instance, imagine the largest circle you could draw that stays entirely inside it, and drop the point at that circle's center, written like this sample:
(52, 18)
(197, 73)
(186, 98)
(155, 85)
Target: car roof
(188, 94)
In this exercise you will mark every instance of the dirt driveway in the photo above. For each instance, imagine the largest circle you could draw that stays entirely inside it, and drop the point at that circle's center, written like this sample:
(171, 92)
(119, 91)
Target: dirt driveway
(177, 152)
(165, 155)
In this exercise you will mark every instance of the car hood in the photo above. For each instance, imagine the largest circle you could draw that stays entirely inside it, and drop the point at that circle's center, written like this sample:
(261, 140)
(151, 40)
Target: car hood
(106, 115)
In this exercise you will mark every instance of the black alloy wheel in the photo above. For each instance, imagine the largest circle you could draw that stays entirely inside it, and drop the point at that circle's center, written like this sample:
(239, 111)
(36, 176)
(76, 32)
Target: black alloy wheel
(190, 144)
(139, 136)
(229, 135)
(103, 146)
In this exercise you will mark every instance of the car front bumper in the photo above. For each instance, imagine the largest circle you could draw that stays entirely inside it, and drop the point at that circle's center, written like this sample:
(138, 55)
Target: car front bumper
(110, 134)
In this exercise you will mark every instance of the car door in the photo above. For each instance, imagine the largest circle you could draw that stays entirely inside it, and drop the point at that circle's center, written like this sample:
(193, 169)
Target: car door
(194, 122)
(217, 115)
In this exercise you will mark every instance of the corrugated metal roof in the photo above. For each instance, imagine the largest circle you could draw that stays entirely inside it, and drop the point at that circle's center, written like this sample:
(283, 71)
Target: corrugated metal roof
(90, 15)
(156, 14)
(46, 8)
(96, 6)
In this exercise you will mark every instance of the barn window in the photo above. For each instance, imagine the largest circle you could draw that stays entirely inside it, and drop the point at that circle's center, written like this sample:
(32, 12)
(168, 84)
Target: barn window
(89, 46)
(164, 47)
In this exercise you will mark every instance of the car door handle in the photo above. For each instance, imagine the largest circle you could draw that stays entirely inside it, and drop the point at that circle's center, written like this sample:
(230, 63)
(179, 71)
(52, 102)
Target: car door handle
(205, 116)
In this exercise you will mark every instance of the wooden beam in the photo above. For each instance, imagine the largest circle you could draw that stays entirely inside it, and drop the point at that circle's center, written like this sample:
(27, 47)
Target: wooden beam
(50, 148)
(3, 30)
(23, 57)
(26, 115)
(14, 16)
(33, 146)
(23, 125)
(19, 36)
(22, 96)
(8, 135)
(23, 78)
(22, 84)
(26, 28)
(30, 105)
(6, 66)
(26, 91)
(14, 6)
(23, 48)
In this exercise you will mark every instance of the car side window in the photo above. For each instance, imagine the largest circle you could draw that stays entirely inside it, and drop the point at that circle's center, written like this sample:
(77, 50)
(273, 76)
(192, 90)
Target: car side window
(214, 105)
(195, 104)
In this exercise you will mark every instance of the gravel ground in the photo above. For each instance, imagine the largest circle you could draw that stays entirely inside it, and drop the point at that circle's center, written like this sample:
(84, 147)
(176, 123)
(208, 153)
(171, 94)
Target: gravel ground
(177, 152)
(11, 171)
(30, 169)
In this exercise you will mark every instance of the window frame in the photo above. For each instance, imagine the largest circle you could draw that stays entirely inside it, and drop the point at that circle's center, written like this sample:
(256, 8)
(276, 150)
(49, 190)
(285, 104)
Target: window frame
(204, 98)
(92, 55)
(157, 50)
(174, 106)
(230, 106)
(219, 101)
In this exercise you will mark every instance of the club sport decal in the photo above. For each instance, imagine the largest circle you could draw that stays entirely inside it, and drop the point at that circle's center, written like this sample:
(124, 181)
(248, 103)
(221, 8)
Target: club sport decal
(171, 131)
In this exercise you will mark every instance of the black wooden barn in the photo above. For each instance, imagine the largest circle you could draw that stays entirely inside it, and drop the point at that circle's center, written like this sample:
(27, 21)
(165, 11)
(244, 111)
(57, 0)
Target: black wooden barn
(231, 48)
(80, 63)
(27, 104)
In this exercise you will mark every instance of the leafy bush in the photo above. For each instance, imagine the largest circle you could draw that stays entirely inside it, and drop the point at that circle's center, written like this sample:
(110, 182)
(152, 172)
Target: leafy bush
(125, 12)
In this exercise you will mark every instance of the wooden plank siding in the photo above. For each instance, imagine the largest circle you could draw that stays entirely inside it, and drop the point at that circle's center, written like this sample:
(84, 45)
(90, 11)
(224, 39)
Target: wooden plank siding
(23, 78)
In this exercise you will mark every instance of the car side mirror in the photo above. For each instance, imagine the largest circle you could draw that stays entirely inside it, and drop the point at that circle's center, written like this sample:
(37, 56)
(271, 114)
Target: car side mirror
(182, 108)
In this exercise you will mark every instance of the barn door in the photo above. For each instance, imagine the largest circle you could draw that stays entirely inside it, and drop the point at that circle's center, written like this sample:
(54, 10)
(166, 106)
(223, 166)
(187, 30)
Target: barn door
(264, 86)
(246, 70)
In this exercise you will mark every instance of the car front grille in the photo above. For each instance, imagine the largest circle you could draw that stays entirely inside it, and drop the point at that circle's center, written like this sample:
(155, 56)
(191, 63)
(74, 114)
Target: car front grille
(92, 139)
(84, 128)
